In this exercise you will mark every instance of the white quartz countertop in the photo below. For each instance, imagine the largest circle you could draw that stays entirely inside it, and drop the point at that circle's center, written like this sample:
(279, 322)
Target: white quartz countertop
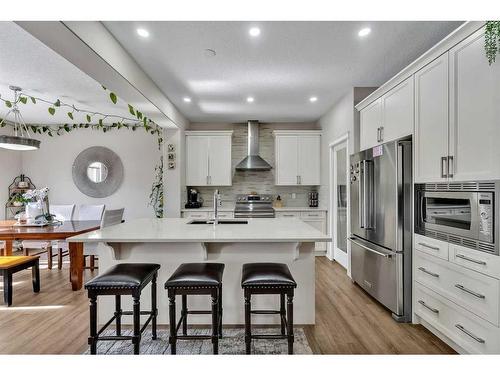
(178, 230)
(231, 208)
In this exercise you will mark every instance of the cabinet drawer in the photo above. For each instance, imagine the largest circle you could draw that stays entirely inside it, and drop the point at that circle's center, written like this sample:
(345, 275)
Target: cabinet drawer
(313, 214)
(195, 215)
(224, 215)
(288, 214)
(431, 246)
(475, 260)
(472, 333)
(473, 291)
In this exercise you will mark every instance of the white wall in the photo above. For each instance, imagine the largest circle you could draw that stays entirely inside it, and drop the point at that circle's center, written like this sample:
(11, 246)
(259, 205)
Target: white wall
(52, 166)
(10, 167)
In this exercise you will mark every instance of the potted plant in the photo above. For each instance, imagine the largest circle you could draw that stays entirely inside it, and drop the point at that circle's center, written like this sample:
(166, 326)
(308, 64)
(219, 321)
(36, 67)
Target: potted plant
(19, 200)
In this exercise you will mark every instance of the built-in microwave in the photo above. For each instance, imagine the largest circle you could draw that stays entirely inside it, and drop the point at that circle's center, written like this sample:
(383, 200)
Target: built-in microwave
(462, 213)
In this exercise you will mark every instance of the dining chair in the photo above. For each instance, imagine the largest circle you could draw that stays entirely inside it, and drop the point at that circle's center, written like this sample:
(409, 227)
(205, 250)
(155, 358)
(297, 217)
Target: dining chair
(109, 218)
(90, 212)
(63, 212)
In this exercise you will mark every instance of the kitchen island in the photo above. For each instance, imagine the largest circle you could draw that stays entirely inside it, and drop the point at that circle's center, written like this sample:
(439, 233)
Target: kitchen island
(170, 242)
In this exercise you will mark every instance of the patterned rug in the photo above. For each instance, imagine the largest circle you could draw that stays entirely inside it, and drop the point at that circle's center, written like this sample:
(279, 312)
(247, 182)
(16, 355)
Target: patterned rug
(233, 342)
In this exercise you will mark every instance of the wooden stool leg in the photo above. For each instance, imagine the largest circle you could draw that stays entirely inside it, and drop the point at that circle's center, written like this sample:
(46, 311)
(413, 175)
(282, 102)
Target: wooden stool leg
(35, 277)
(154, 309)
(282, 312)
(171, 310)
(118, 314)
(92, 263)
(49, 257)
(59, 258)
(215, 321)
(289, 312)
(7, 287)
(220, 311)
(93, 325)
(137, 324)
(184, 314)
(248, 322)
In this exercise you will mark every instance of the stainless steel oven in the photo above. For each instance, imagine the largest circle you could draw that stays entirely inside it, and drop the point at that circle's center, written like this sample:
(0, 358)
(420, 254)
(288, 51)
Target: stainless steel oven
(462, 213)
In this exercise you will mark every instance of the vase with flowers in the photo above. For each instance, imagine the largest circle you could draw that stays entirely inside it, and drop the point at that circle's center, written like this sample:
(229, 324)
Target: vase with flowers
(37, 206)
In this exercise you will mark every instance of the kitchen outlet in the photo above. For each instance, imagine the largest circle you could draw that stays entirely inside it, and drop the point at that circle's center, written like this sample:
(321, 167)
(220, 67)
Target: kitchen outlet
(294, 195)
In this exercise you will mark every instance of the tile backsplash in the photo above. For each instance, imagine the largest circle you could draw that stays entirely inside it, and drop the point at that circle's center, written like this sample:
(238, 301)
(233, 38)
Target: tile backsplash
(261, 182)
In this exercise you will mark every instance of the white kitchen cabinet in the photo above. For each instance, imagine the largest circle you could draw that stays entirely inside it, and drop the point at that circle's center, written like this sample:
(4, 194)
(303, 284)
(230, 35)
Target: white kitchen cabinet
(370, 123)
(297, 157)
(388, 118)
(431, 121)
(208, 158)
(474, 112)
(315, 218)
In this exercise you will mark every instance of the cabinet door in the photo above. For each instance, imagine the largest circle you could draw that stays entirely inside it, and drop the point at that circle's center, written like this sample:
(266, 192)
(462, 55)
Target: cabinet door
(431, 121)
(196, 160)
(397, 112)
(219, 161)
(286, 160)
(475, 112)
(370, 122)
(321, 226)
(309, 160)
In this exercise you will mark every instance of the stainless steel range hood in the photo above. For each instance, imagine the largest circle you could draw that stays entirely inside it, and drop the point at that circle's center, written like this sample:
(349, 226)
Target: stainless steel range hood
(253, 162)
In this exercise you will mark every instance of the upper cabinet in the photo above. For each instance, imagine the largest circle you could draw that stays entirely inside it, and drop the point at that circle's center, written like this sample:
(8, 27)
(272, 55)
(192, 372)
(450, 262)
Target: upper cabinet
(297, 156)
(431, 121)
(474, 112)
(388, 118)
(208, 158)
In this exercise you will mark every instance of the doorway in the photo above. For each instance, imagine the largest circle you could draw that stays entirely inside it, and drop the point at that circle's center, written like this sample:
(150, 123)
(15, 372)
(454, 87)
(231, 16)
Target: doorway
(339, 202)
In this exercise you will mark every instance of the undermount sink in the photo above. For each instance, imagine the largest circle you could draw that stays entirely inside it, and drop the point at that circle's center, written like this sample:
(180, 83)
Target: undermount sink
(219, 222)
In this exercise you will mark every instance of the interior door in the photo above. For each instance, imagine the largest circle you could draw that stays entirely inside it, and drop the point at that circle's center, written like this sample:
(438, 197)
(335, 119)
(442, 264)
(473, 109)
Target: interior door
(219, 157)
(287, 160)
(340, 228)
(431, 121)
(196, 160)
(309, 160)
(475, 112)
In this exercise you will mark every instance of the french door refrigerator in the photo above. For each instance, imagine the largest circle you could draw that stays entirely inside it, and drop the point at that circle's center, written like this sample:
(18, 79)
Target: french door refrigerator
(381, 224)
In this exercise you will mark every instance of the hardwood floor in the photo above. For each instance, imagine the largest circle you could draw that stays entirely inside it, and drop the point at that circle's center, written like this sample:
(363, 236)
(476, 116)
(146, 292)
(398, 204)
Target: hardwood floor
(348, 321)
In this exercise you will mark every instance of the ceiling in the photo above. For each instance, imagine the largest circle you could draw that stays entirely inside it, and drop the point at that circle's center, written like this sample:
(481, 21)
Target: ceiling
(281, 69)
(39, 71)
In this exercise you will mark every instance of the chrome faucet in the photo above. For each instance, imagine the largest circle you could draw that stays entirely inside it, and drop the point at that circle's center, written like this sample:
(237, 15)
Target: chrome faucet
(217, 204)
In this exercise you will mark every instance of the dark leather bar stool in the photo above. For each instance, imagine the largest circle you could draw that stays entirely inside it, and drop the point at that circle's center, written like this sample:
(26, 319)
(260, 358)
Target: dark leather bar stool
(123, 279)
(195, 279)
(269, 278)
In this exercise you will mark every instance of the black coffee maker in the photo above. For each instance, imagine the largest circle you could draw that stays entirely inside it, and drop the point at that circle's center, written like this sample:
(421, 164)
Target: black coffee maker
(193, 199)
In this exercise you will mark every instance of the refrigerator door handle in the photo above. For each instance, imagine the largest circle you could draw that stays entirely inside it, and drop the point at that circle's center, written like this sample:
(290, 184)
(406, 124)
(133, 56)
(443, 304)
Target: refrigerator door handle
(367, 194)
(369, 249)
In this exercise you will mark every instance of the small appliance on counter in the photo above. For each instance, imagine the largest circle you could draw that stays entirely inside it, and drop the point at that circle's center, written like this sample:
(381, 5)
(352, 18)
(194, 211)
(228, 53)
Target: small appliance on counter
(193, 199)
(278, 203)
(313, 199)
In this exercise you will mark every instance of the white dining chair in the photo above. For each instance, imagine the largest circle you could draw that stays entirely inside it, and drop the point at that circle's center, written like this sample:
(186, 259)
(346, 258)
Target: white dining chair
(62, 212)
(92, 212)
(109, 218)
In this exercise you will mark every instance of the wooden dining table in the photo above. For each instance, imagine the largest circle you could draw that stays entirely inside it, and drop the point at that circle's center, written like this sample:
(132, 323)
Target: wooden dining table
(9, 232)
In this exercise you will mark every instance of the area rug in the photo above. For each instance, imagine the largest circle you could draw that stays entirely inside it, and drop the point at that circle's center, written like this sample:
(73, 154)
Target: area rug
(233, 342)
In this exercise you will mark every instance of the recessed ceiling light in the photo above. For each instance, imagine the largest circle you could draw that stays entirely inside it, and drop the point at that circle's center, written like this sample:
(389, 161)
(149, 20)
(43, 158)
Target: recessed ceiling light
(187, 99)
(143, 32)
(365, 31)
(254, 31)
(250, 99)
(313, 99)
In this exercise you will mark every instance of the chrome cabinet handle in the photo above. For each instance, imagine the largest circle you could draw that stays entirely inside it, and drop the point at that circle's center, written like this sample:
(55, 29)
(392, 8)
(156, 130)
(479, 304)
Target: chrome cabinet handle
(285, 215)
(450, 166)
(428, 272)
(381, 134)
(467, 290)
(369, 249)
(429, 246)
(471, 259)
(378, 134)
(444, 161)
(435, 311)
(470, 334)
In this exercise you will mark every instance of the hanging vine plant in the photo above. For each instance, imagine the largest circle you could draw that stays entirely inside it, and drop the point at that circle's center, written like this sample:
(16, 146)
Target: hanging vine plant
(102, 122)
(492, 40)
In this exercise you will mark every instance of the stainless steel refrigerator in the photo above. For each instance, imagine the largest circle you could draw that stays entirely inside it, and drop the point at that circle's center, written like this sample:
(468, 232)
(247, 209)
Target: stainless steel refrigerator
(381, 224)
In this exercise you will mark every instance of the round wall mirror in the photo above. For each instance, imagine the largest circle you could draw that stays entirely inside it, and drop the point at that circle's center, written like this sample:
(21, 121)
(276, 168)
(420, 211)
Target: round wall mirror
(97, 172)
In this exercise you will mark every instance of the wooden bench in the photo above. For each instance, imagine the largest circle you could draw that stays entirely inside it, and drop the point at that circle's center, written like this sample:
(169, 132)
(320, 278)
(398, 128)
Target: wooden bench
(12, 264)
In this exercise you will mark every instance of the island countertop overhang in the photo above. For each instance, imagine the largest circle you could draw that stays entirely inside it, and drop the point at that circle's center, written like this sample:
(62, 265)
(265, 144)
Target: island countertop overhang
(178, 230)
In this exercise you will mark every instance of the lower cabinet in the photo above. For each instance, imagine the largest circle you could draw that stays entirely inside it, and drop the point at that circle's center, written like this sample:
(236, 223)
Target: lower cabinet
(207, 214)
(317, 219)
(457, 291)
